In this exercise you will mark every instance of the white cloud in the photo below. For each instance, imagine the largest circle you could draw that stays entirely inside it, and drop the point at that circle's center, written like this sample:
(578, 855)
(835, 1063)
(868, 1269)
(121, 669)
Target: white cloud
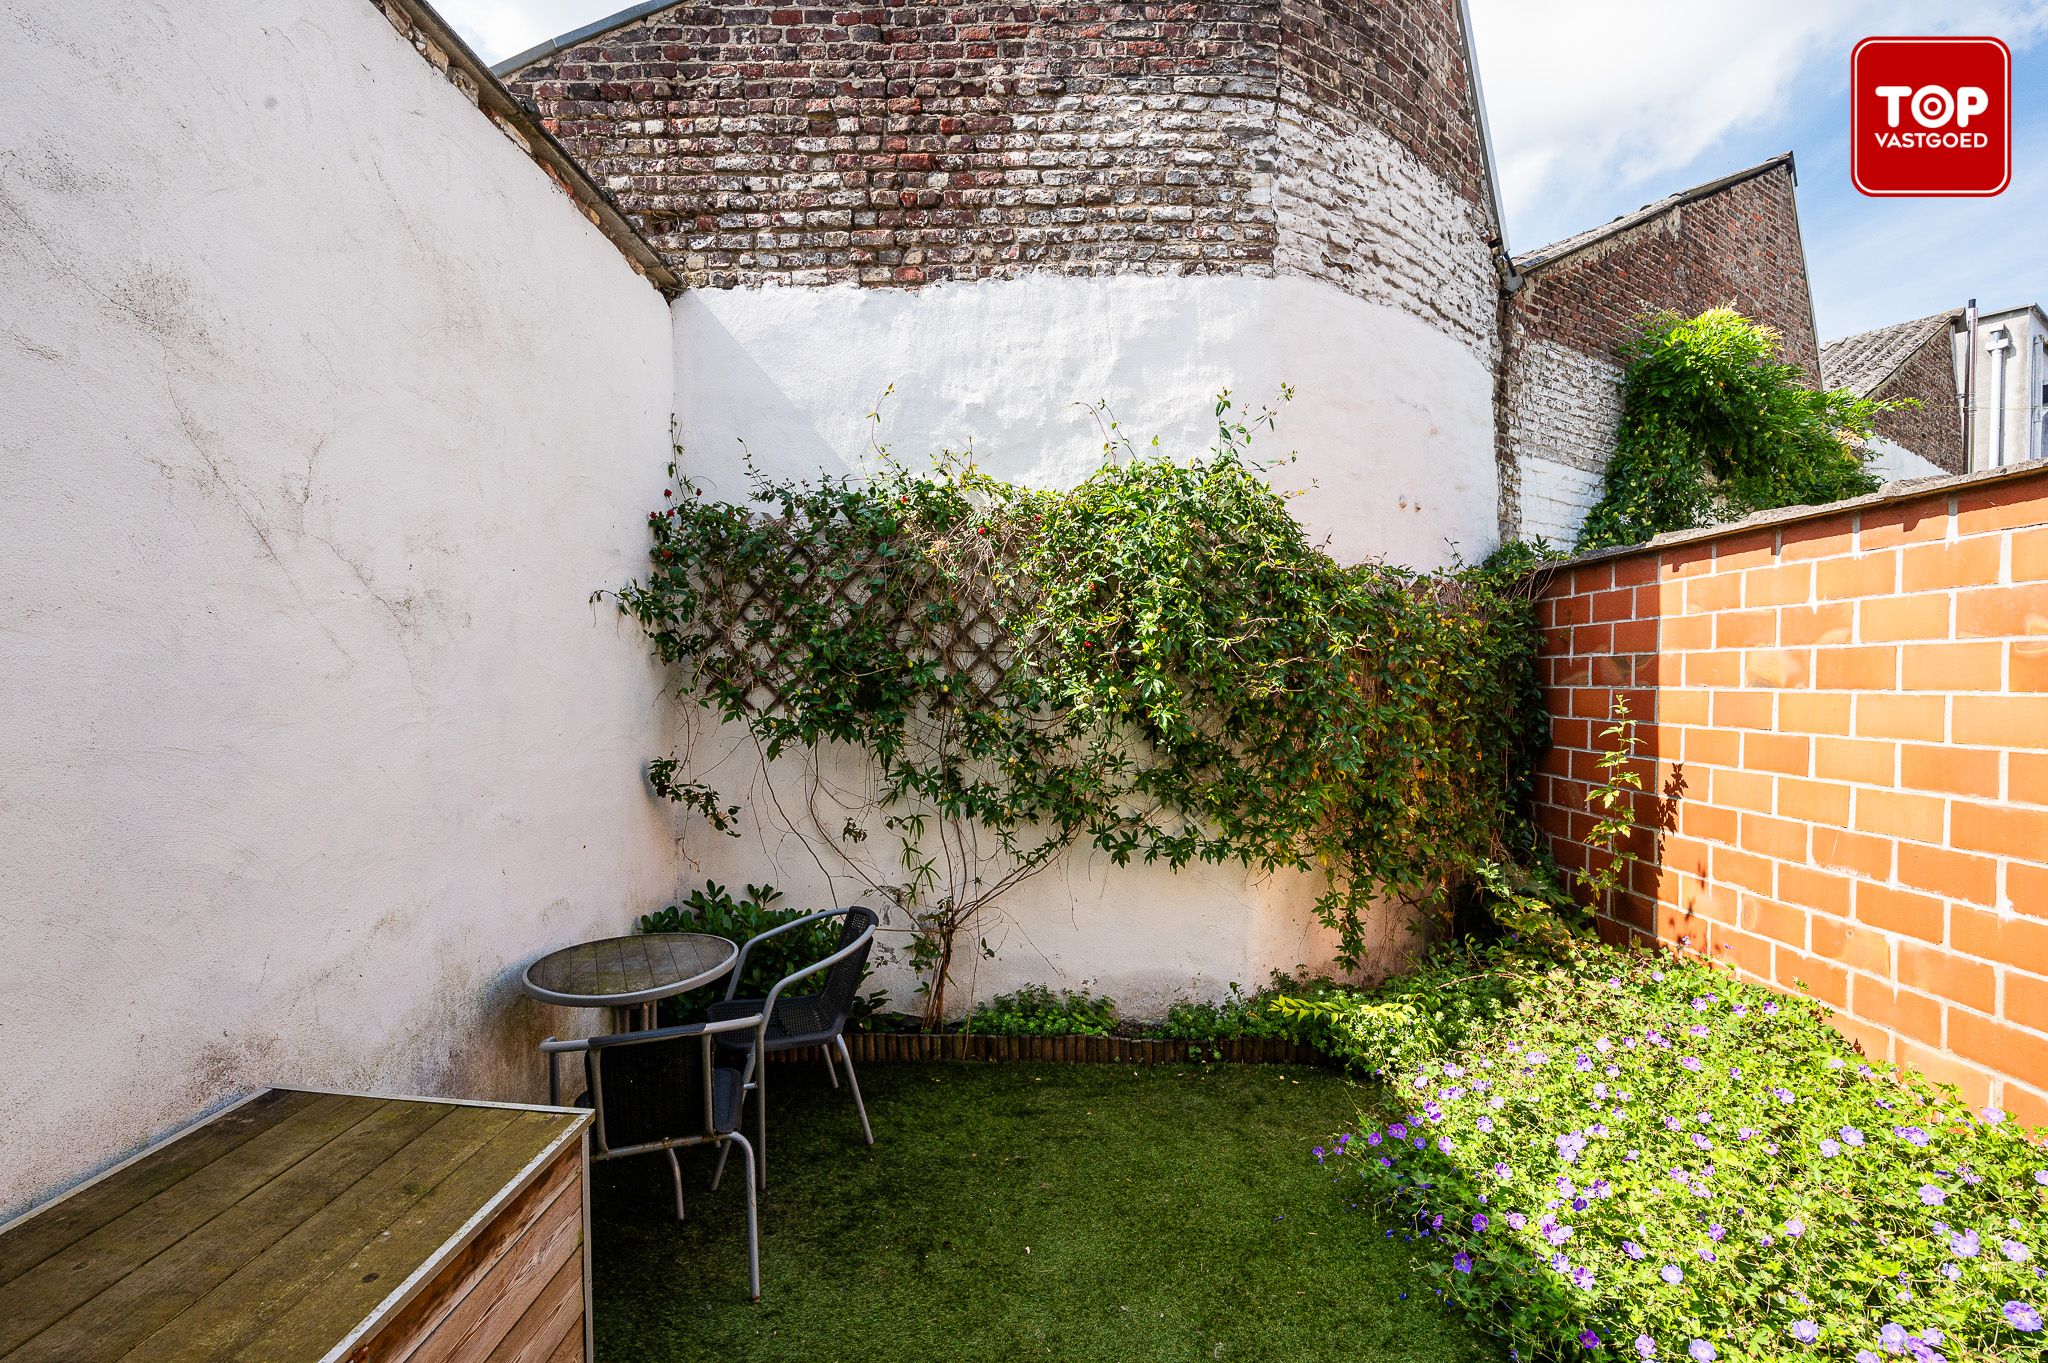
(1589, 99)
(498, 29)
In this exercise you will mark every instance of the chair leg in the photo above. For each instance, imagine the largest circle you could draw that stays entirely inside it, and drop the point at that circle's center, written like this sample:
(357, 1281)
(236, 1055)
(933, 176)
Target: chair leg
(831, 1070)
(753, 1216)
(719, 1172)
(846, 1058)
(758, 1156)
(675, 1173)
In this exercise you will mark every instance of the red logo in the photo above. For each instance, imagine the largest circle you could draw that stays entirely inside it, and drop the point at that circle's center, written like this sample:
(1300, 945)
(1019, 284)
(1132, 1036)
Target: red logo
(1930, 117)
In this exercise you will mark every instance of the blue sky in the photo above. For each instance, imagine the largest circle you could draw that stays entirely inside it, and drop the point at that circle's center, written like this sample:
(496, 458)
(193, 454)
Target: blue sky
(1599, 106)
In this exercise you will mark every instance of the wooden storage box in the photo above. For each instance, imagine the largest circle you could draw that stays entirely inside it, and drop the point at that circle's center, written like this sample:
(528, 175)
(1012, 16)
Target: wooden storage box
(299, 1225)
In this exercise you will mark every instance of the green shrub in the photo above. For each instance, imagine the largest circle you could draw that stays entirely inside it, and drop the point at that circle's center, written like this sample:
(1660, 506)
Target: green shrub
(1641, 1158)
(1037, 1011)
(712, 909)
(1235, 1017)
(1715, 425)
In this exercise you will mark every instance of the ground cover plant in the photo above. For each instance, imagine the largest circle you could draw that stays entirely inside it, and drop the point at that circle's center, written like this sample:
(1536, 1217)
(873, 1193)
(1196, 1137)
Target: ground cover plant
(1037, 1011)
(1644, 1158)
(1020, 1211)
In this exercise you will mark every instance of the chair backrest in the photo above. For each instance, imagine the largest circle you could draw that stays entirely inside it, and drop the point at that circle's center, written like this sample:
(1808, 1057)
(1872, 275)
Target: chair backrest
(649, 1091)
(842, 981)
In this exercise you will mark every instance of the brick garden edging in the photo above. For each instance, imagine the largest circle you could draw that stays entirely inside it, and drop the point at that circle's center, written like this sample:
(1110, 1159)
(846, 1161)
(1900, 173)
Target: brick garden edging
(1076, 1050)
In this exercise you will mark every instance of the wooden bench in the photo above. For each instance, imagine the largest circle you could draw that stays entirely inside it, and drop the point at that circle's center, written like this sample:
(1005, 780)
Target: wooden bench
(298, 1225)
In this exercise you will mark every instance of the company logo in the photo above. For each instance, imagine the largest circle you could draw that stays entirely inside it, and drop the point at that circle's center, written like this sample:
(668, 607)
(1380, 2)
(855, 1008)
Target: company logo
(1930, 117)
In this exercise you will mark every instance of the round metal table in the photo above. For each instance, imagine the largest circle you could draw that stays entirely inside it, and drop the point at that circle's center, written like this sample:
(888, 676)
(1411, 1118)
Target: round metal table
(629, 975)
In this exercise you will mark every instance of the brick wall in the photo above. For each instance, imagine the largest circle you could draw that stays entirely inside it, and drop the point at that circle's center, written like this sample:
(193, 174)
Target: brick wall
(1845, 735)
(1737, 245)
(932, 140)
(1932, 430)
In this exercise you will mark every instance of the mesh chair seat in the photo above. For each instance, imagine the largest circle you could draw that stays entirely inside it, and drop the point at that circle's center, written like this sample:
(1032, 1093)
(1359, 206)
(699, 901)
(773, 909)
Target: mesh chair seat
(656, 1091)
(797, 1022)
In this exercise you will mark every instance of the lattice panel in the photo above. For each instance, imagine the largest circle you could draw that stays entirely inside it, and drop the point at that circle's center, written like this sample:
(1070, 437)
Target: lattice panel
(943, 621)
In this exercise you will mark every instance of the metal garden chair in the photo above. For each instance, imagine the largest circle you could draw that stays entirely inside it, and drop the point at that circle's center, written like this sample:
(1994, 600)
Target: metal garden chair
(794, 1022)
(663, 1090)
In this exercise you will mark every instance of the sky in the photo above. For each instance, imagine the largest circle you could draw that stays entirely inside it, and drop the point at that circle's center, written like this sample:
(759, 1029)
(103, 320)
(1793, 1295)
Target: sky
(1599, 106)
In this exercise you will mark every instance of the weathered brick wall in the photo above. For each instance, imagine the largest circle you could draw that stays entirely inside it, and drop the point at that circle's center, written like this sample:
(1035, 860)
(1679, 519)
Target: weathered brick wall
(935, 140)
(1932, 430)
(1736, 246)
(1845, 742)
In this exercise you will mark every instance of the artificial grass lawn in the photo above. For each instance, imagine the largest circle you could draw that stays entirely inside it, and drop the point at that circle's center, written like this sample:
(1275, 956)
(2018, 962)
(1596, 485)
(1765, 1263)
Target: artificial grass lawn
(1013, 1211)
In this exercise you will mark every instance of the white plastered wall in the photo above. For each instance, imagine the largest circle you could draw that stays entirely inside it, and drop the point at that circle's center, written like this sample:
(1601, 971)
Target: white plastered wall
(1562, 422)
(326, 412)
(1392, 423)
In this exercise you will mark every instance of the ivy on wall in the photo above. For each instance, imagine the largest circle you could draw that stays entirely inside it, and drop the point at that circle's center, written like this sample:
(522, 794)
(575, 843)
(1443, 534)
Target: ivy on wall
(1715, 425)
(1158, 663)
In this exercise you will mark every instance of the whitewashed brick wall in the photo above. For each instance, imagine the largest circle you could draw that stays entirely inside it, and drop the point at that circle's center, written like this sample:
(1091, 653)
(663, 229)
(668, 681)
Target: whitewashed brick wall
(1564, 411)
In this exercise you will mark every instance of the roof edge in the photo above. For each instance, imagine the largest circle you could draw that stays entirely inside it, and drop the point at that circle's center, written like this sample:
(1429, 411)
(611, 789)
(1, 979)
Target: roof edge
(1942, 324)
(1546, 255)
(436, 40)
(1893, 494)
(541, 51)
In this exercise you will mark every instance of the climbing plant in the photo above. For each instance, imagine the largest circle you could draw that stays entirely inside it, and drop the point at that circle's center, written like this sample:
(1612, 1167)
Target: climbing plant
(1715, 425)
(1158, 663)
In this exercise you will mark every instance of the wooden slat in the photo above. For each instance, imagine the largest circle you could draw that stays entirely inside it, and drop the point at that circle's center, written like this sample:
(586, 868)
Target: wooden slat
(570, 1350)
(337, 1306)
(93, 1263)
(557, 1312)
(152, 1293)
(305, 1260)
(495, 1293)
(85, 1211)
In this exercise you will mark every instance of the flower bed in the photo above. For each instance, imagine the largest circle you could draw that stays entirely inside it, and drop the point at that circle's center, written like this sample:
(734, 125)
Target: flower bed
(1648, 1159)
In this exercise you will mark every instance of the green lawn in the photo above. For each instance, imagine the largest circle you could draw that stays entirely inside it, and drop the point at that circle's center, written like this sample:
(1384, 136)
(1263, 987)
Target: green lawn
(1096, 1213)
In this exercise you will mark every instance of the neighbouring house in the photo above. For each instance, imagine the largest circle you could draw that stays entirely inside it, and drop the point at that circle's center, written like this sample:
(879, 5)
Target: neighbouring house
(1730, 242)
(1924, 360)
(1917, 360)
(2009, 417)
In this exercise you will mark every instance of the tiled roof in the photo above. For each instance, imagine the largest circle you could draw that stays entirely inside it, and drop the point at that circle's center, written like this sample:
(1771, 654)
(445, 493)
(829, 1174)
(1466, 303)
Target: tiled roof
(1543, 255)
(1863, 363)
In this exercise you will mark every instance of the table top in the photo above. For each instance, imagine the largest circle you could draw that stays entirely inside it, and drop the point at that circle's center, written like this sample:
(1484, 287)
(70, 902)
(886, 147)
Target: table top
(275, 1229)
(625, 970)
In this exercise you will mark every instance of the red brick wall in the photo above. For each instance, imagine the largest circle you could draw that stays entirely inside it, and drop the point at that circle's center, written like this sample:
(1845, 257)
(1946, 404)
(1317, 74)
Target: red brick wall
(1737, 247)
(1933, 430)
(928, 140)
(1845, 735)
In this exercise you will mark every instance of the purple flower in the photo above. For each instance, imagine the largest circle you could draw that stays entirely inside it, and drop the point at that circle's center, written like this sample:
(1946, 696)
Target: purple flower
(1516, 1220)
(1830, 1148)
(1672, 1273)
(1373, 1139)
(1993, 1116)
(1851, 1136)
(1690, 1062)
(1462, 1261)
(1795, 1228)
(1805, 1331)
(1717, 1232)
(1783, 1095)
(1570, 1146)
(1632, 1249)
(1555, 1233)
(1965, 1245)
(1893, 1337)
(1932, 1196)
(1911, 1135)
(1484, 1122)
(2041, 1177)
(1701, 1351)
(1589, 1339)
(2022, 1317)
(1867, 1356)
(1707, 1254)
(1582, 1278)
(2014, 1250)
(1398, 1131)
(1443, 1144)
(1480, 1222)
(1502, 1172)
(1645, 1347)
(1318, 1153)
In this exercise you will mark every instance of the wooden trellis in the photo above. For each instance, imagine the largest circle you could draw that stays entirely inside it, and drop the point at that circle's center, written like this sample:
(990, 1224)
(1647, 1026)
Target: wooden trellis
(954, 620)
